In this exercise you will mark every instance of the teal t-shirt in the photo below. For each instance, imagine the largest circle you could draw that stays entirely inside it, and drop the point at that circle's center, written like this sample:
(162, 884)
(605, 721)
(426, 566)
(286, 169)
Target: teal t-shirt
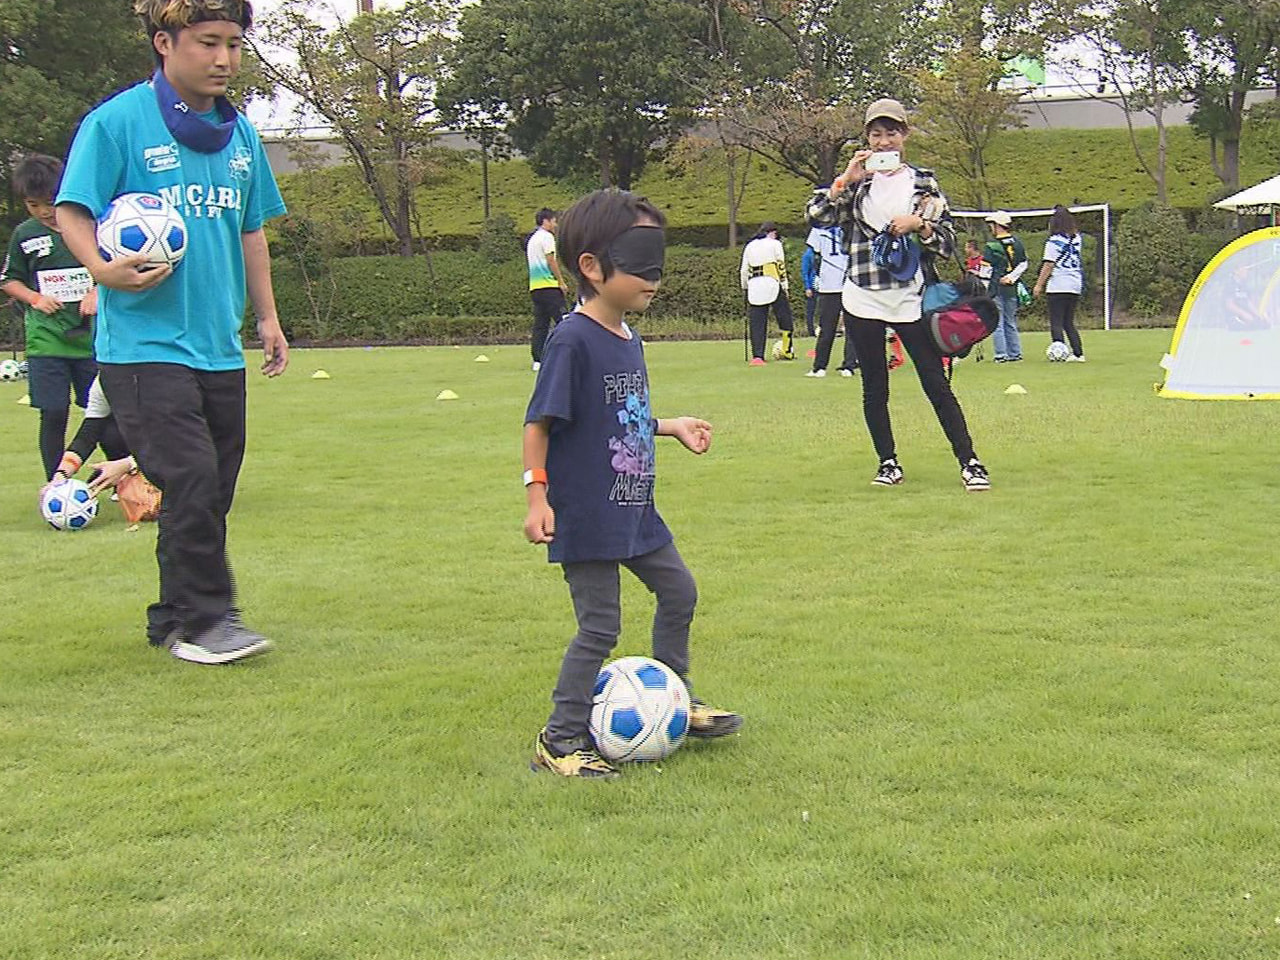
(192, 318)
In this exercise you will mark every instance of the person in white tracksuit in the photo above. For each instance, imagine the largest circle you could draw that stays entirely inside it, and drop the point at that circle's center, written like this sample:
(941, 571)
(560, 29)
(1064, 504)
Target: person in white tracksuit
(764, 278)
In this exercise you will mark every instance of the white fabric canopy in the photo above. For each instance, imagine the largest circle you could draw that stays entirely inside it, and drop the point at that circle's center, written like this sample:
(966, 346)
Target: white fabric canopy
(1261, 198)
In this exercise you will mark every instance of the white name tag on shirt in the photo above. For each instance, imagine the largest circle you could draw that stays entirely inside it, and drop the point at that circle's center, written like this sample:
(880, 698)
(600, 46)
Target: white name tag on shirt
(66, 286)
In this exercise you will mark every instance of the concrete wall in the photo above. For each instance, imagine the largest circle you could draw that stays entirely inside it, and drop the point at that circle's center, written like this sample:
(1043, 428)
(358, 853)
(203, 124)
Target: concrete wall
(283, 150)
(1077, 112)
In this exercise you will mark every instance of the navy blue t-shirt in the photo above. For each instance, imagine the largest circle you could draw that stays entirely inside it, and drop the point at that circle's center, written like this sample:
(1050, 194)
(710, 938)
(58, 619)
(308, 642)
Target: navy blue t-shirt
(594, 388)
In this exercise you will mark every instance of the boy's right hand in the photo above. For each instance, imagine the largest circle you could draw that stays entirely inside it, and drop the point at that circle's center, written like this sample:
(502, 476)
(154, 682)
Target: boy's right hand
(540, 523)
(126, 274)
(46, 305)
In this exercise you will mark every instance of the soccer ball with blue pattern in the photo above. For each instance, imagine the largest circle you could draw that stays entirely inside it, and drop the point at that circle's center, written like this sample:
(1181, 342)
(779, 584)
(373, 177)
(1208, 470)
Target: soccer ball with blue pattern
(640, 710)
(68, 505)
(142, 223)
(1057, 352)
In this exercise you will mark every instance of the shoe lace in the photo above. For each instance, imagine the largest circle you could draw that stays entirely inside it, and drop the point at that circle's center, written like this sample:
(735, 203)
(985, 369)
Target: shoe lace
(976, 470)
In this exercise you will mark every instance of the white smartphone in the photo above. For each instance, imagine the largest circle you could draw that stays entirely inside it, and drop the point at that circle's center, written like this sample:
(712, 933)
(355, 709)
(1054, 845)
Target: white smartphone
(883, 160)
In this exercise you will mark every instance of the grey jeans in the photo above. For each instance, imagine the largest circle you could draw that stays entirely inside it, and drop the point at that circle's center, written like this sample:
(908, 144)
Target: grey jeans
(595, 588)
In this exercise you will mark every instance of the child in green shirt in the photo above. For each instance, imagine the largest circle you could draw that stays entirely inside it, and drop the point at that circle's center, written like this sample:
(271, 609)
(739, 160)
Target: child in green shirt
(61, 300)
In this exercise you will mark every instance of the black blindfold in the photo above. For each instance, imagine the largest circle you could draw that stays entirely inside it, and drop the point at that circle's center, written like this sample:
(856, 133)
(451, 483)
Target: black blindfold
(640, 252)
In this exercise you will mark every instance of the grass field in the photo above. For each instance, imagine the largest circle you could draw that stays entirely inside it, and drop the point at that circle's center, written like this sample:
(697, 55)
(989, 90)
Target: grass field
(1036, 724)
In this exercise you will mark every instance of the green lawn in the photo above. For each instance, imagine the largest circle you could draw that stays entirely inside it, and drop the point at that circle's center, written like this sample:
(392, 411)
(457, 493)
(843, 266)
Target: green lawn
(1036, 724)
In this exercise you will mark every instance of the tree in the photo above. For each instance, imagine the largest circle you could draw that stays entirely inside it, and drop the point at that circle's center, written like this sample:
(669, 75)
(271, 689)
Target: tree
(53, 69)
(833, 57)
(1141, 50)
(372, 80)
(962, 109)
(483, 124)
(742, 56)
(1236, 44)
(589, 88)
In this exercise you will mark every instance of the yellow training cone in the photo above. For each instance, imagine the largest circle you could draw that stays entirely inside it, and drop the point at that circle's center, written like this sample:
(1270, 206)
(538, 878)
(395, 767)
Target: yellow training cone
(446, 395)
(482, 359)
(25, 400)
(1015, 388)
(321, 375)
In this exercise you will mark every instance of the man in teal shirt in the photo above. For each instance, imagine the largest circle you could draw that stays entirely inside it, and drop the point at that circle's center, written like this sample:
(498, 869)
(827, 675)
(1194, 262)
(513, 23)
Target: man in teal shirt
(168, 339)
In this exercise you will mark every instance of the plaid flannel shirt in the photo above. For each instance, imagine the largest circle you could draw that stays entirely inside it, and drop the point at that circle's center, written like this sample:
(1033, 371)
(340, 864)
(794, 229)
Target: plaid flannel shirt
(846, 211)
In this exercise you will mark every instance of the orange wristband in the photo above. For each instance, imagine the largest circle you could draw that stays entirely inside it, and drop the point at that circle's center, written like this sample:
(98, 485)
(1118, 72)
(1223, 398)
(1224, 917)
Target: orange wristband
(70, 464)
(535, 476)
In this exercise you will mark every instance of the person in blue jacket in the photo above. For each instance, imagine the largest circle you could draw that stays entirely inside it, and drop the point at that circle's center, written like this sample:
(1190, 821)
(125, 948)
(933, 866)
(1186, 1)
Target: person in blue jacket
(809, 275)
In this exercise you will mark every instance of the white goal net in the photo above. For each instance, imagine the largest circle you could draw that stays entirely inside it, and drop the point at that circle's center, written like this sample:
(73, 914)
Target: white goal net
(1041, 219)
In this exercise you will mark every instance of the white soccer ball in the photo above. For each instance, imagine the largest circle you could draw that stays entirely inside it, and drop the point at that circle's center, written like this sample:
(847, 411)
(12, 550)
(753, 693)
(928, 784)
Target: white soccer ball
(1057, 351)
(640, 710)
(68, 505)
(10, 370)
(777, 350)
(142, 223)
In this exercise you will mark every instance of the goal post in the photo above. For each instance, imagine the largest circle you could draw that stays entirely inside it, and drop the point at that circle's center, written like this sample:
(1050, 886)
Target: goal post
(1103, 208)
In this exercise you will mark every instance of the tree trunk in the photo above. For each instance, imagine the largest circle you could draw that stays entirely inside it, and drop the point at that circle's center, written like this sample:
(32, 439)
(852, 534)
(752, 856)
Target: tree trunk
(1162, 156)
(1231, 139)
(828, 160)
(404, 199)
(624, 167)
(731, 163)
(484, 176)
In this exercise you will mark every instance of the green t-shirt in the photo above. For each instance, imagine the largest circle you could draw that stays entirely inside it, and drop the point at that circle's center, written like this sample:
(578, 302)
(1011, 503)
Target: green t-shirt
(40, 260)
(1003, 253)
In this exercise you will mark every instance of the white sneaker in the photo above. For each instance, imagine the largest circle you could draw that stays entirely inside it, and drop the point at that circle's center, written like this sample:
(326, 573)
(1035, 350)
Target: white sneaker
(974, 476)
(846, 372)
(1075, 359)
(537, 365)
(816, 373)
(889, 474)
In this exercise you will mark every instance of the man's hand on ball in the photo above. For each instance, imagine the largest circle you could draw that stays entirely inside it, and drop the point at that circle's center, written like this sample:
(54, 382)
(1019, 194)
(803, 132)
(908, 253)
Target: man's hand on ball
(131, 274)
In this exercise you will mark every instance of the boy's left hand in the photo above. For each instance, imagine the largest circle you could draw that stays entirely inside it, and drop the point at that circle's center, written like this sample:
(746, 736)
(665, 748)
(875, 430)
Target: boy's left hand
(275, 348)
(695, 434)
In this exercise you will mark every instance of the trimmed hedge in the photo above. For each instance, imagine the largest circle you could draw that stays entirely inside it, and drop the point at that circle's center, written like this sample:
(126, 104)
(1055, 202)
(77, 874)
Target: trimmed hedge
(453, 296)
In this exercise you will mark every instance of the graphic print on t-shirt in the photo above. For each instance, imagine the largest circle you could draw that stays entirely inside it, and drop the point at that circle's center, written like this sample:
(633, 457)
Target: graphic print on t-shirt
(631, 452)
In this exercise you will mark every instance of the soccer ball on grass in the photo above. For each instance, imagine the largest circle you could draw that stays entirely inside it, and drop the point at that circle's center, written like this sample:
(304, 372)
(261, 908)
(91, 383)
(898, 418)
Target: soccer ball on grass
(142, 223)
(10, 370)
(68, 505)
(640, 710)
(1057, 352)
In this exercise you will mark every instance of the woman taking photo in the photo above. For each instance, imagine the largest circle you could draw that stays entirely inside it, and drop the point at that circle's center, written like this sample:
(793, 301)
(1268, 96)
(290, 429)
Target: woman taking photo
(879, 193)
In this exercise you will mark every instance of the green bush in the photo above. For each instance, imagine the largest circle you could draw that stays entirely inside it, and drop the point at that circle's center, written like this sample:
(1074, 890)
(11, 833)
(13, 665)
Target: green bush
(457, 295)
(498, 240)
(1155, 263)
(461, 296)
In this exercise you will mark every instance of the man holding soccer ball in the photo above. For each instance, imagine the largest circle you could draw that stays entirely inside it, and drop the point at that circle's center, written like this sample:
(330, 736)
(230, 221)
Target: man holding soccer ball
(168, 342)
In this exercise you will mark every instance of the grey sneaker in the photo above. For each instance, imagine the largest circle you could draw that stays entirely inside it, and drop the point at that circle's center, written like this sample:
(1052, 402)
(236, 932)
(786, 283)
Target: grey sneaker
(226, 641)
